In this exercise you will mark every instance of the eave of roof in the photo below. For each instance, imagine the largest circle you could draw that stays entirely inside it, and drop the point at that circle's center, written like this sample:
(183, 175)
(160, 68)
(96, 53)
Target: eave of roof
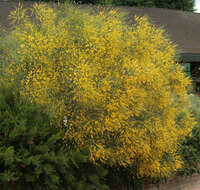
(190, 57)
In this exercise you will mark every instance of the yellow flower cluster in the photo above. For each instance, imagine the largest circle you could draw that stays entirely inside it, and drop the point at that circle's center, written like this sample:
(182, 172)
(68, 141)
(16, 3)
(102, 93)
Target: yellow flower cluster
(124, 97)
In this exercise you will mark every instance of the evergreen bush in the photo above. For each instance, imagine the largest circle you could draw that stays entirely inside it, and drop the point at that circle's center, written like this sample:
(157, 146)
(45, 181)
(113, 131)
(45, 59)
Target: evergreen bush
(32, 153)
(125, 178)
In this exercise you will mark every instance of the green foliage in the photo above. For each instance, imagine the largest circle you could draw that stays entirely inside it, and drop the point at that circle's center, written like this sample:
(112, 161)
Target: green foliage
(186, 5)
(190, 148)
(90, 177)
(125, 177)
(32, 153)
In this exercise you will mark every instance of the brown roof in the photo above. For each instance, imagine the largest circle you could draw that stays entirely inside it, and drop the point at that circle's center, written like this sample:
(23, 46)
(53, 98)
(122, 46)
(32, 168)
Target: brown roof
(182, 27)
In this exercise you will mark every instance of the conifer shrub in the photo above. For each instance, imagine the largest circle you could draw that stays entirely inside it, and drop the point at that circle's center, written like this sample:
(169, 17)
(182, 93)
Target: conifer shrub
(125, 178)
(32, 153)
(118, 86)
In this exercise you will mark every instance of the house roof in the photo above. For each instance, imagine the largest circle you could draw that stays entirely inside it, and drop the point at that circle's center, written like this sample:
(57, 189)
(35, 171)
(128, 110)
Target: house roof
(182, 27)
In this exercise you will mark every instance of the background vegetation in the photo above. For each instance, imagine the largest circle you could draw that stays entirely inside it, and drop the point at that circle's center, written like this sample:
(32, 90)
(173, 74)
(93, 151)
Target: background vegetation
(185, 5)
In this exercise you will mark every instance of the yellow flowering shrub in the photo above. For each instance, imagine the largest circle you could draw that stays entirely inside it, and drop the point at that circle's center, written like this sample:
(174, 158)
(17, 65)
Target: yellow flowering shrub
(117, 86)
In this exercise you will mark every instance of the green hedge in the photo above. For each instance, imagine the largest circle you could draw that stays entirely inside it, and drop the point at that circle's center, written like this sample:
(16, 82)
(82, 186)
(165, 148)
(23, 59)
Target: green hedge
(32, 153)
